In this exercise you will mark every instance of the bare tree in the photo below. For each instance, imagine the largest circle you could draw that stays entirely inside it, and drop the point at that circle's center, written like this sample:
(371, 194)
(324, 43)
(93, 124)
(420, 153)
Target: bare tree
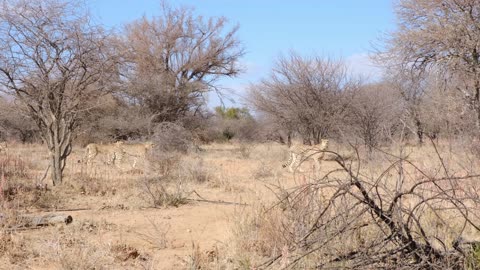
(412, 88)
(176, 58)
(443, 113)
(15, 123)
(53, 60)
(376, 112)
(444, 35)
(431, 105)
(309, 95)
(111, 120)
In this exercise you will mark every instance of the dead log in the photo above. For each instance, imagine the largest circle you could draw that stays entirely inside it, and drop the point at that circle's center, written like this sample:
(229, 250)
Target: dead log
(50, 219)
(28, 221)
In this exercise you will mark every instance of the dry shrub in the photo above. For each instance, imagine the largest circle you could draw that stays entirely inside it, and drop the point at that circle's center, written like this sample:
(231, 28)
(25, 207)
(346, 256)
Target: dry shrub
(245, 150)
(76, 253)
(202, 260)
(49, 199)
(73, 247)
(159, 194)
(228, 182)
(15, 248)
(173, 170)
(266, 231)
(473, 257)
(171, 137)
(263, 171)
(83, 256)
(62, 247)
(123, 252)
(270, 153)
(173, 167)
(164, 164)
(472, 146)
(192, 169)
(19, 194)
(171, 141)
(14, 167)
(401, 217)
(6, 243)
(160, 236)
(16, 186)
(257, 232)
(95, 186)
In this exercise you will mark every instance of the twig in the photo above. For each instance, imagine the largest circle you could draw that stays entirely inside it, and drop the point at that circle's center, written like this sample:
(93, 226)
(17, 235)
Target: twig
(23, 229)
(66, 210)
(44, 175)
(218, 202)
(202, 199)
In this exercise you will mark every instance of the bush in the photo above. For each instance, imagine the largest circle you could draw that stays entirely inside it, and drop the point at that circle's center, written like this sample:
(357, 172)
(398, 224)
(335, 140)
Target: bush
(160, 195)
(231, 123)
(362, 219)
(193, 170)
(13, 167)
(172, 137)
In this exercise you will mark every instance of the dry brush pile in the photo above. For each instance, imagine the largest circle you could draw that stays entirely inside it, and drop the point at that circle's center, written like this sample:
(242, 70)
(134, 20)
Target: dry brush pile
(405, 216)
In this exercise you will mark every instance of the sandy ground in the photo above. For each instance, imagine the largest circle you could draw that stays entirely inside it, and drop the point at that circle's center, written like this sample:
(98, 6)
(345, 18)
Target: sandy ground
(120, 228)
(165, 237)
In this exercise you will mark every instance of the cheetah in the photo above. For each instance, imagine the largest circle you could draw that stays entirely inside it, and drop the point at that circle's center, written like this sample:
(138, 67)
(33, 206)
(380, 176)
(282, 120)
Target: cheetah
(135, 150)
(3, 148)
(298, 153)
(112, 152)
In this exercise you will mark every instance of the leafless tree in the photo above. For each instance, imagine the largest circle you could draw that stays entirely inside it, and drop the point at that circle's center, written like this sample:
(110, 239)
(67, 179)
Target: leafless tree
(431, 105)
(176, 58)
(412, 88)
(309, 95)
(111, 120)
(444, 35)
(53, 60)
(15, 123)
(376, 112)
(444, 114)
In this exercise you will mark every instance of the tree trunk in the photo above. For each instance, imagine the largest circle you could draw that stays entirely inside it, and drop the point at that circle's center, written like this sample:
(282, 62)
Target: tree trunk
(475, 101)
(419, 129)
(58, 136)
(419, 126)
(478, 119)
(56, 163)
(476, 105)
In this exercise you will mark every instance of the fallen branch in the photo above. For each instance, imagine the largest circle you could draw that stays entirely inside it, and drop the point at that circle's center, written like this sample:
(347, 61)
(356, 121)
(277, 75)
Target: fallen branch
(218, 202)
(66, 210)
(22, 222)
(202, 199)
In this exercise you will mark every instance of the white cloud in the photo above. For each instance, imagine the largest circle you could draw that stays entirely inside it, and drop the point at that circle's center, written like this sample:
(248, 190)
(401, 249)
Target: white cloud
(361, 64)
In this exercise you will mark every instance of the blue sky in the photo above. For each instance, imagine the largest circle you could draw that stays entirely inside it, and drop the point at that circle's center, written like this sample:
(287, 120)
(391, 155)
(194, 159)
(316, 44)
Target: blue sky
(339, 28)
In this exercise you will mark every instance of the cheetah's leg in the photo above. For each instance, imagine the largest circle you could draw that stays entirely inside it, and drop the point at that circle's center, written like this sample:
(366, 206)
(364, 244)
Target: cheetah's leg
(300, 160)
(134, 162)
(318, 160)
(296, 162)
(118, 157)
(292, 159)
(90, 155)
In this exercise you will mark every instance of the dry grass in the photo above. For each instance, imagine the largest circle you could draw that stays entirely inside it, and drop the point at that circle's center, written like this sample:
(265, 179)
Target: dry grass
(119, 229)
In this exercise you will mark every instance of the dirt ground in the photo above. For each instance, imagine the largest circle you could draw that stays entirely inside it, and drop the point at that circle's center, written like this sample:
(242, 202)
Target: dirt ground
(117, 226)
(114, 225)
